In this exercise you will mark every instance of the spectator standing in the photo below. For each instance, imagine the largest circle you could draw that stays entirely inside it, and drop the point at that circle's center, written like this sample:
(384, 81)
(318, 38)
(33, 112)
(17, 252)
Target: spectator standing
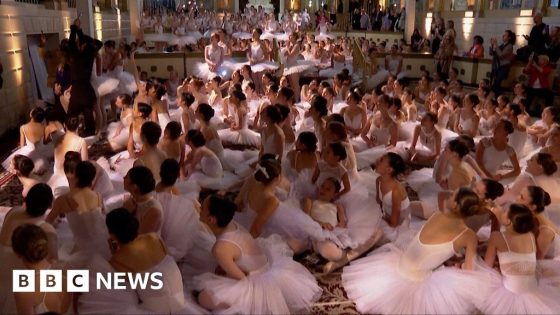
(356, 19)
(502, 56)
(437, 32)
(416, 40)
(364, 20)
(477, 50)
(376, 18)
(539, 74)
(444, 56)
(554, 45)
(537, 39)
(401, 22)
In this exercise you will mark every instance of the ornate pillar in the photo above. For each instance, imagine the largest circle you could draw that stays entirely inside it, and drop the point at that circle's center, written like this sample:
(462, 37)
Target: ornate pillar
(135, 11)
(85, 8)
(410, 6)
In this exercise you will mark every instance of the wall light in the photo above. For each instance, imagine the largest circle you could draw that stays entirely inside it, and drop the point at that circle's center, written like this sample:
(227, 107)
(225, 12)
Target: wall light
(469, 14)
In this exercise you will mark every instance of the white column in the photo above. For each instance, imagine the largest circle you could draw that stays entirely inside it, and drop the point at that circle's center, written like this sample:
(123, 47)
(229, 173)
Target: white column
(282, 8)
(235, 6)
(85, 8)
(134, 11)
(410, 6)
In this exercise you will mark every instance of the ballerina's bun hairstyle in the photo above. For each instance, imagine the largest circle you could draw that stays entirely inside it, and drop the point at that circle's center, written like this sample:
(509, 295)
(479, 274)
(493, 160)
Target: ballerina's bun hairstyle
(319, 103)
(144, 109)
(72, 123)
(494, 189)
(338, 150)
(309, 140)
(521, 218)
(196, 138)
(267, 171)
(273, 113)
(143, 178)
(539, 198)
(151, 132)
(546, 161)
(169, 172)
(508, 126)
(467, 201)
(123, 225)
(23, 164)
(30, 242)
(338, 129)
(396, 163)
(459, 147)
(206, 111)
(173, 129)
(38, 200)
(85, 174)
(71, 160)
(38, 114)
(221, 208)
(188, 98)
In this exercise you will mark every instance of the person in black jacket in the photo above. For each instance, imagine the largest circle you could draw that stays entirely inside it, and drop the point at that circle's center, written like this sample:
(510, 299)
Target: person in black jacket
(82, 53)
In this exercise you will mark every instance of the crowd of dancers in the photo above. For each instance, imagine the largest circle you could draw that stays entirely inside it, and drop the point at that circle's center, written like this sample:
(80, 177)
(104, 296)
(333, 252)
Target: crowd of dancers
(218, 180)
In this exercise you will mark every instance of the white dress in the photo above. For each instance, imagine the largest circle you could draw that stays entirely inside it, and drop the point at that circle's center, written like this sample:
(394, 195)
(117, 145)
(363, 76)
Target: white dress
(381, 136)
(519, 289)
(211, 175)
(127, 82)
(36, 151)
(380, 282)
(119, 141)
(393, 233)
(274, 283)
(201, 69)
(103, 84)
(58, 181)
(331, 72)
(244, 136)
(170, 299)
(261, 64)
(180, 223)
(494, 159)
(323, 33)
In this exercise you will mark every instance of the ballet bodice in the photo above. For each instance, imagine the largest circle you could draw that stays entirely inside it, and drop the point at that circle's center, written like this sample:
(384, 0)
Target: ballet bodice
(170, 298)
(214, 54)
(136, 137)
(518, 269)
(466, 123)
(419, 259)
(381, 135)
(211, 165)
(252, 259)
(485, 126)
(327, 171)
(493, 158)
(323, 28)
(257, 52)
(517, 140)
(428, 140)
(387, 206)
(353, 122)
(126, 120)
(554, 249)
(88, 228)
(36, 145)
(143, 207)
(324, 212)
(267, 142)
(76, 146)
(215, 145)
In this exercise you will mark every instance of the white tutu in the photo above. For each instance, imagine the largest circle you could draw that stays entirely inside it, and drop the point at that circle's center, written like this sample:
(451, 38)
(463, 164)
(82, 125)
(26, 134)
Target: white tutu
(377, 285)
(127, 301)
(495, 298)
(159, 38)
(196, 34)
(120, 141)
(225, 181)
(267, 35)
(202, 70)
(242, 35)
(199, 257)
(104, 85)
(282, 37)
(183, 40)
(263, 66)
(300, 66)
(180, 223)
(324, 36)
(127, 83)
(281, 287)
(244, 136)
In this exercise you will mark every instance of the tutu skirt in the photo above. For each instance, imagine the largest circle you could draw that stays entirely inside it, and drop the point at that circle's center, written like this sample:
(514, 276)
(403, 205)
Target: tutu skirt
(263, 66)
(104, 85)
(299, 67)
(244, 136)
(377, 285)
(281, 287)
(242, 35)
(127, 83)
(183, 40)
(202, 70)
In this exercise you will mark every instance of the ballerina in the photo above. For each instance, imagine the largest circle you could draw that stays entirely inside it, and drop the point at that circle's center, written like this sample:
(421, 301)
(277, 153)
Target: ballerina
(517, 288)
(272, 137)
(293, 66)
(172, 144)
(239, 132)
(493, 151)
(430, 141)
(265, 265)
(31, 142)
(140, 183)
(304, 156)
(84, 209)
(323, 27)
(117, 132)
(468, 120)
(330, 166)
(133, 251)
(258, 56)
(214, 56)
(518, 138)
(202, 158)
(22, 166)
(489, 117)
(416, 269)
(355, 115)
(30, 244)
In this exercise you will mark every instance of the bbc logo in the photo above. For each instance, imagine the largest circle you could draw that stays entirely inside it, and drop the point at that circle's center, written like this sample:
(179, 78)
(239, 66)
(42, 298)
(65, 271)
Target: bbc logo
(50, 281)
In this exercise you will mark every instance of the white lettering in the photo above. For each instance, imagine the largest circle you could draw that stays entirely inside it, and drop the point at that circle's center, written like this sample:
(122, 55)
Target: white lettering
(106, 281)
(156, 277)
(119, 279)
(138, 278)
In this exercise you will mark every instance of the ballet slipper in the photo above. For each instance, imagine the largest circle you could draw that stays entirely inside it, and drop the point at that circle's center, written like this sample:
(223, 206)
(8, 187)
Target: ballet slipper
(334, 265)
(360, 250)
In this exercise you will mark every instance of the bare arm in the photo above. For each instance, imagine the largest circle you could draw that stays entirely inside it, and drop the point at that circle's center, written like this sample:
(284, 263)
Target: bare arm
(396, 208)
(342, 220)
(225, 255)
(316, 174)
(262, 217)
(151, 222)
(491, 250)
(347, 187)
(480, 158)
(21, 136)
(544, 241)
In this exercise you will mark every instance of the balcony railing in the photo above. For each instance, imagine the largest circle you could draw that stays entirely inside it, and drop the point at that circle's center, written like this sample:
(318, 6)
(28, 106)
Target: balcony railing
(30, 1)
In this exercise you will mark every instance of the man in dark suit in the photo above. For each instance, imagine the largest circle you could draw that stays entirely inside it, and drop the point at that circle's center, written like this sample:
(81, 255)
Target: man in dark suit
(82, 53)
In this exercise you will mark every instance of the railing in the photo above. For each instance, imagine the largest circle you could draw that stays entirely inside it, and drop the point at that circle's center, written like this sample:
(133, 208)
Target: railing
(359, 61)
(30, 1)
(71, 3)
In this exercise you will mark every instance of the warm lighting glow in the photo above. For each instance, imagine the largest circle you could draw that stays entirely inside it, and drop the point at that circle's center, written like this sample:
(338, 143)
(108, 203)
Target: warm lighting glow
(467, 27)
(429, 15)
(469, 14)
(99, 26)
(526, 13)
(428, 24)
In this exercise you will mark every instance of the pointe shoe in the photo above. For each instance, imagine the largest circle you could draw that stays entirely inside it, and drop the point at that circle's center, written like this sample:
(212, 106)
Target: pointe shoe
(358, 251)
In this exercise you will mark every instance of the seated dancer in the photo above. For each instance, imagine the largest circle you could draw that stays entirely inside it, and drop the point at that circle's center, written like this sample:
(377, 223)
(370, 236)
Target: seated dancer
(214, 56)
(22, 167)
(133, 251)
(152, 156)
(377, 282)
(140, 183)
(117, 132)
(38, 200)
(303, 157)
(172, 143)
(272, 136)
(239, 132)
(493, 152)
(330, 166)
(260, 276)
(430, 141)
